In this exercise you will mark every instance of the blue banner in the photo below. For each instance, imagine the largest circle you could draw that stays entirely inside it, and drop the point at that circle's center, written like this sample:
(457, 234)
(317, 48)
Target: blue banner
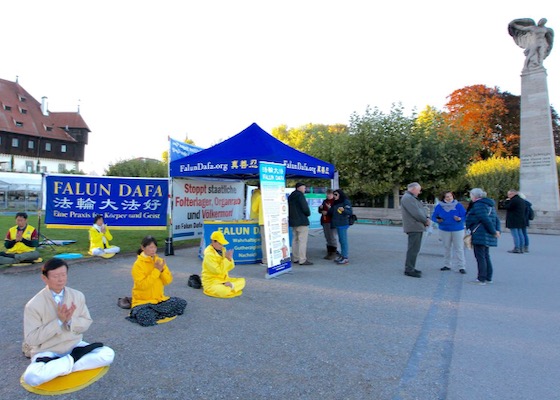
(243, 236)
(275, 206)
(178, 150)
(74, 200)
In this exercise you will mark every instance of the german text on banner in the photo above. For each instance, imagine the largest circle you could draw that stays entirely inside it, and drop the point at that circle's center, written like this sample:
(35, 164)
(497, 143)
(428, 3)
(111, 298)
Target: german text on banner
(275, 207)
(129, 203)
(197, 200)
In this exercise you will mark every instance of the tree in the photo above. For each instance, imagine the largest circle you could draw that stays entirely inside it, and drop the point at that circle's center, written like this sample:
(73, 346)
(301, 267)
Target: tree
(138, 167)
(479, 110)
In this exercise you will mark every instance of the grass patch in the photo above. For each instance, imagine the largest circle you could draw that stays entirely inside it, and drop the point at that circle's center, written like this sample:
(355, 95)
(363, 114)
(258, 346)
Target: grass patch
(127, 240)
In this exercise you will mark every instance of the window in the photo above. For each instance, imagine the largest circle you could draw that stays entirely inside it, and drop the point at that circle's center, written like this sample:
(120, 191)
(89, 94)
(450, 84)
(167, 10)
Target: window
(7, 108)
(22, 98)
(47, 146)
(63, 148)
(15, 142)
(31, 144)
(22, 110)
(61, 167)
(29, 166)
(19, 123)
(48, 128)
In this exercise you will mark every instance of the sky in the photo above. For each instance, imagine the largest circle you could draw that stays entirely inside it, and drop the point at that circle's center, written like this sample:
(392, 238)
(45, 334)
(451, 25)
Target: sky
(142, 71)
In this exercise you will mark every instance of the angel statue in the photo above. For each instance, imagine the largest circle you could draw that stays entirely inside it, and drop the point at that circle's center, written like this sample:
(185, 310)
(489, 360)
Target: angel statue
(535, 39)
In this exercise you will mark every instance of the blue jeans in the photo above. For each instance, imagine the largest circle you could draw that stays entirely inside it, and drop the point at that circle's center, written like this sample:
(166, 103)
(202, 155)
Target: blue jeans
(518, 238)
(525, 236)
(482, 255)
(343, 239)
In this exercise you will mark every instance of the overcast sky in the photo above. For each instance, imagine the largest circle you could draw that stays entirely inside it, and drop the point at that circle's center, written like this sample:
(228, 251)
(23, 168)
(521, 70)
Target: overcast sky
(143, 70)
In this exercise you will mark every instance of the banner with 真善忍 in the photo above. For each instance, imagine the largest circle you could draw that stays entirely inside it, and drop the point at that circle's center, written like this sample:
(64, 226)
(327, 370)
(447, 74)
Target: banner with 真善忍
(72, 201)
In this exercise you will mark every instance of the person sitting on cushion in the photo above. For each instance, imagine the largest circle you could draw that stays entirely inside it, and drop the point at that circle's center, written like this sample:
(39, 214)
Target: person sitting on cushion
(151, 274)
(99, 236)
(21, 242)
(216, 264)
(53, 325)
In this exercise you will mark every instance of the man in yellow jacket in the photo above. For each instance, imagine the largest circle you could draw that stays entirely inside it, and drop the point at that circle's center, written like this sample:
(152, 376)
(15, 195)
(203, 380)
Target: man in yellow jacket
(21, 242)
(217, 263)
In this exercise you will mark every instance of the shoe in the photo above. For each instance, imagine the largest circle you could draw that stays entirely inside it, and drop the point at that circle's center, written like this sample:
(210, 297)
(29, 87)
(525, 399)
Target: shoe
(462, 270)
(517, 250)
(418, 271)
(525, 249)
(295, 262)
(414, 274)
(337, 259)
(343, 261)
(264, 265)
(477, 282)
(489, 281)
(307, 262)
(444, 269)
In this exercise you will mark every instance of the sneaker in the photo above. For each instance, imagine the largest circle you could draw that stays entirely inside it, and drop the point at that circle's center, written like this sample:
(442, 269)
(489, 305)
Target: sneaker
(339, 258)
(444, 269)
(477, 282)
(343, 261)
(489, 281)
(417, 271)
(307, 262)
(414, 274)
(462, 270)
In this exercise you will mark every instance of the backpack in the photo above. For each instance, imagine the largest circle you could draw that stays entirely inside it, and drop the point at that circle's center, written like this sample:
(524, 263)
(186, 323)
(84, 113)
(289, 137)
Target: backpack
(530, 212)
(352, 219)
(194, 281)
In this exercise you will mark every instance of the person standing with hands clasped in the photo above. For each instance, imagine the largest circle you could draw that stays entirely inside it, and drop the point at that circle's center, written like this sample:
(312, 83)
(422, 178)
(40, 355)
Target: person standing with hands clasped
(515, 220)
(340, 214)
(415, 221)
(450, 216)
(330, 234)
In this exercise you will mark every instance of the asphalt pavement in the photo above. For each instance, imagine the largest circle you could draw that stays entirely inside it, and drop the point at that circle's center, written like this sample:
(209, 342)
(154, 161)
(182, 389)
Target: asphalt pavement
(359, 331)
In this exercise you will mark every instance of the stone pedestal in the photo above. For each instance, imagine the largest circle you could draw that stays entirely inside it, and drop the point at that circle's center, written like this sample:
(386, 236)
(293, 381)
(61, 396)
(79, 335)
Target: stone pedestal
(538, 173)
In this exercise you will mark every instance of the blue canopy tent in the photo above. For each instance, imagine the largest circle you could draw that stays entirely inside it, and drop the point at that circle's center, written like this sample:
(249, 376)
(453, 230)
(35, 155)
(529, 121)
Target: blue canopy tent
(238, 158)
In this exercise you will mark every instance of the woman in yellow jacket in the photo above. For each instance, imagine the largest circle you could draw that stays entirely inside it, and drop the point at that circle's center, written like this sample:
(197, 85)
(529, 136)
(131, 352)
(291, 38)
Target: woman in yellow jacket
(151, 274)
(99, 237)
(216, 264)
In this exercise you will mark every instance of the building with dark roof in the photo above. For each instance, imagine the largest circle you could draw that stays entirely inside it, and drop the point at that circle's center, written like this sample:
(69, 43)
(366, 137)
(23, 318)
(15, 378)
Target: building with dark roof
(33, 139)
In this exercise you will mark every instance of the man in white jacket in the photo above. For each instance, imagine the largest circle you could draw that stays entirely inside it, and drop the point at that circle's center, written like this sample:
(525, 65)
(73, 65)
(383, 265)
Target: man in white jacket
(53, 323)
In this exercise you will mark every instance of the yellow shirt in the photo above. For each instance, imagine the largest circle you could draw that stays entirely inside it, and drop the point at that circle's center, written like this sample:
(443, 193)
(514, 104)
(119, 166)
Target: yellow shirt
(20, 247)
(148, 281)
(96, 239)
(256, 206)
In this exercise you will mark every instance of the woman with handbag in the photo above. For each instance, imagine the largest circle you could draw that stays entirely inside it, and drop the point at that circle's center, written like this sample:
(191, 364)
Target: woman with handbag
(484, 224)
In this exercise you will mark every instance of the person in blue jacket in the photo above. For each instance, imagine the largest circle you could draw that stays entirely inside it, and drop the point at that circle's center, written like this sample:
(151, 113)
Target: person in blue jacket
(340, 214)
(450, 216)
(484, 224)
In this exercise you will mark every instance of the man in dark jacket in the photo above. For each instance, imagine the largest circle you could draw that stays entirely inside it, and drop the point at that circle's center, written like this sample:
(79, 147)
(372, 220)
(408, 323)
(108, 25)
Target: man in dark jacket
(515, 220)
(415, 220)
(298, 219)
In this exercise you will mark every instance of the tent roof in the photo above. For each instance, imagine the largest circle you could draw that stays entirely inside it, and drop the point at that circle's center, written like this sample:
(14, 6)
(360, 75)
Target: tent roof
(238, 158)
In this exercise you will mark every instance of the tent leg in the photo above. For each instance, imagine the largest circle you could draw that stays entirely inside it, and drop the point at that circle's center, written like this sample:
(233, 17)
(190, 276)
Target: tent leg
(169, 247)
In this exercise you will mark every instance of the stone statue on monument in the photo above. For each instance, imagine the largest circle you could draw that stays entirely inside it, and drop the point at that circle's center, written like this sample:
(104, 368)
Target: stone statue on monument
(536, 39)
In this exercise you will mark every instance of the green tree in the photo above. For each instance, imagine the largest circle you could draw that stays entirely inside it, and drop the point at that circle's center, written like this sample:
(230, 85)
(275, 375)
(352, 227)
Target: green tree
(138, 167)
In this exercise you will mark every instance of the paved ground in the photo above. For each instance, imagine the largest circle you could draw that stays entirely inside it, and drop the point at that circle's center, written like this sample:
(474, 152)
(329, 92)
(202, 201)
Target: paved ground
(362, 331)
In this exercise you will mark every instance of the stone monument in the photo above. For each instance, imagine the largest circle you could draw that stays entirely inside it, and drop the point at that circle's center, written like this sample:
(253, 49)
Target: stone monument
(538, 173)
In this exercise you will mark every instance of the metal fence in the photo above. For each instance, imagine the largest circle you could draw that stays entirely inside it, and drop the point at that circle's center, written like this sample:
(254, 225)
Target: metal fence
(19, 198)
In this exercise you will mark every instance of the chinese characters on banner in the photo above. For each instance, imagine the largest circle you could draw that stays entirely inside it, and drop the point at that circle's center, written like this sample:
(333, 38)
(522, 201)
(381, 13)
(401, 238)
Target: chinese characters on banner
(275, 207)
(197, 200)
(74, 200)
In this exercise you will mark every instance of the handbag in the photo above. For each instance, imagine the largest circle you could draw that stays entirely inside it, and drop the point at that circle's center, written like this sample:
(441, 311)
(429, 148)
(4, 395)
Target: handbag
(467, 240)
